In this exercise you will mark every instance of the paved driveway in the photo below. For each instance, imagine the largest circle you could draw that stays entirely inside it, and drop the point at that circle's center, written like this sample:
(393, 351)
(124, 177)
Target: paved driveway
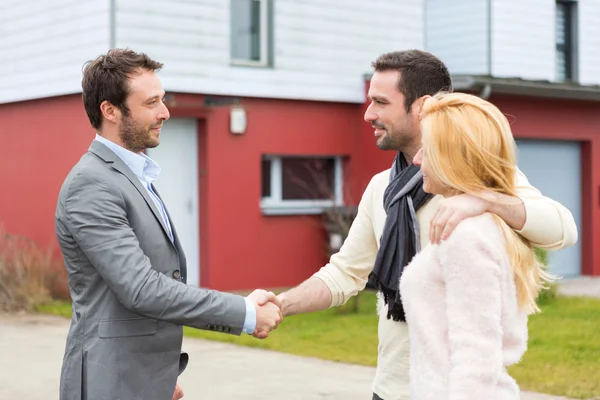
(31, 349)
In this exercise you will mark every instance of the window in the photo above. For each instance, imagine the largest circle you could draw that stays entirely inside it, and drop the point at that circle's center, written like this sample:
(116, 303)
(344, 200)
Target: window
(250, 32)
(300, 185)
(565, 43)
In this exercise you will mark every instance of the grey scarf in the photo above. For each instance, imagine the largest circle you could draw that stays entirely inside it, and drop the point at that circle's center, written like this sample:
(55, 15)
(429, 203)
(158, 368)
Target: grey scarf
(400, 239)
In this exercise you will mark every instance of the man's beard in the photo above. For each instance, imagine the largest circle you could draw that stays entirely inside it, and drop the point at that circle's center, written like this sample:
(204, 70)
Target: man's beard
(387, 142)
(390, 141)
(136, 138)
(398, 140)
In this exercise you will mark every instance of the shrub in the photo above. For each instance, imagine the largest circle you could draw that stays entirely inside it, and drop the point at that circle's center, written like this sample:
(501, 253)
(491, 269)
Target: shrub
(28, 274)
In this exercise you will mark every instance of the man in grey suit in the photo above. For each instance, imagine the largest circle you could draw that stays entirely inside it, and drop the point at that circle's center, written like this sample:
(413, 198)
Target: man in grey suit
(126, 267)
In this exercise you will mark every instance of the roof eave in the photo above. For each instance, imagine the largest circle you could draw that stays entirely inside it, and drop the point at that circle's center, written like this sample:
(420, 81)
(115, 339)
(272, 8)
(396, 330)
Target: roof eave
(522, 87)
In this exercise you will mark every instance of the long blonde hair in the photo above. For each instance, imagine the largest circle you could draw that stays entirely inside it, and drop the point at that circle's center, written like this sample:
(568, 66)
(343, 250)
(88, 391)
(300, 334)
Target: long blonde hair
(470, 149)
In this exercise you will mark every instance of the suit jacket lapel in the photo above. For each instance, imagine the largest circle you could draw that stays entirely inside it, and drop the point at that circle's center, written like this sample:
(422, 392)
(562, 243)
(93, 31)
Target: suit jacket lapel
(108, 156)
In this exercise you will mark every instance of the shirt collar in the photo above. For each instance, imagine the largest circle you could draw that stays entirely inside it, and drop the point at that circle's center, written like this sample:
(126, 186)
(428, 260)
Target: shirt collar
(140, 164)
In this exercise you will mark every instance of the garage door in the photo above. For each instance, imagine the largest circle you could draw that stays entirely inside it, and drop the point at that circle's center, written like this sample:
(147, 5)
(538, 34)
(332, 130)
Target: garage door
(554, 167)
(177, 156)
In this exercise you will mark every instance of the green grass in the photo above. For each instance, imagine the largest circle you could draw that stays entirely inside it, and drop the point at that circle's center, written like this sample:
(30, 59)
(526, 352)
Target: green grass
(60, 308)
(563, 356)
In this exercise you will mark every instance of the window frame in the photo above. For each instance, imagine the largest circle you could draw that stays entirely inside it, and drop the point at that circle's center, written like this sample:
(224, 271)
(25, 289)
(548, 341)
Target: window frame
(569, 48)
(265, 37)
(275, 205)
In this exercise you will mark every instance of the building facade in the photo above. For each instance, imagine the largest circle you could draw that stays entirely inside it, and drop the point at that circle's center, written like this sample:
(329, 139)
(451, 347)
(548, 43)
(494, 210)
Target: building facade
(267, 100)
(262, 94)
(538, 62)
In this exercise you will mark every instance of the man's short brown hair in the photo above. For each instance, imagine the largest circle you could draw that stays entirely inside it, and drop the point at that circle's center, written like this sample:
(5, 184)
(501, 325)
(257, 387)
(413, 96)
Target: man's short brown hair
(421, 73)
(106, 78)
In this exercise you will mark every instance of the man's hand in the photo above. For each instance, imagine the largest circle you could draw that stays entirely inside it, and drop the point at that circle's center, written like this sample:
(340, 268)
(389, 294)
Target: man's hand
(457, 208)
(178, 393)
(262, 297)
(268, 312)
(451, 212)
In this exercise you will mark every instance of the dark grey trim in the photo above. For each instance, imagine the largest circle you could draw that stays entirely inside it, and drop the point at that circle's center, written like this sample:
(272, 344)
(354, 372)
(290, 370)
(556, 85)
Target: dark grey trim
(271, 33)
(524, 87)
(575, 42)
(569, 48)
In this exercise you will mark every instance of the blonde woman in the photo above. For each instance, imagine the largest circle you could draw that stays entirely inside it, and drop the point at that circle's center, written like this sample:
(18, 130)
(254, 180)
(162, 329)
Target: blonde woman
(467, 298)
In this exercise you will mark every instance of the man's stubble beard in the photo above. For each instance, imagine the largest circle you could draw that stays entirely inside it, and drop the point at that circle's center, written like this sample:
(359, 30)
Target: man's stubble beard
(401, 141)
(135, 139)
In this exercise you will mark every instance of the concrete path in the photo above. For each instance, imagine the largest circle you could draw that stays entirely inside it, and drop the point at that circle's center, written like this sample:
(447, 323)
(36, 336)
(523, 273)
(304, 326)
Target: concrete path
(31, 350)
(580, 286)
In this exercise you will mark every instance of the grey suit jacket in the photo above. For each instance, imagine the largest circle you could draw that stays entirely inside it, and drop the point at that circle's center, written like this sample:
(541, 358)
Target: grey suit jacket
(127, 283)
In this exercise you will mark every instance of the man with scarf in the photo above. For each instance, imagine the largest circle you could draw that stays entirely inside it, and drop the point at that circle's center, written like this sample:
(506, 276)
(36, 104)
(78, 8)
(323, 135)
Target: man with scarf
(396, 218)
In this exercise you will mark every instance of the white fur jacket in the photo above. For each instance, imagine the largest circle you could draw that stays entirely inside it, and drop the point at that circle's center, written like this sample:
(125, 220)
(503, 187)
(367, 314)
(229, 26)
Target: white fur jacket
(464, 323)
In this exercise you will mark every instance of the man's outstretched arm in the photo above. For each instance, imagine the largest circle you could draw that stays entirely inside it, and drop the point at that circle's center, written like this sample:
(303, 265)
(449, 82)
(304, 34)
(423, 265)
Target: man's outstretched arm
(541, 220)
(311, 295)
(549, 224)
(347, 272)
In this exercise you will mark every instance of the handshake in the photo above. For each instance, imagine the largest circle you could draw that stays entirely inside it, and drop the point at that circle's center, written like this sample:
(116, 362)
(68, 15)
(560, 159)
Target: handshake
(269, 312)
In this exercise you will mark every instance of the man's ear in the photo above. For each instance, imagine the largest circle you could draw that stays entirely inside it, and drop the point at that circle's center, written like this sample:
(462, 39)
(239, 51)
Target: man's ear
(417, 106)
(109, 111)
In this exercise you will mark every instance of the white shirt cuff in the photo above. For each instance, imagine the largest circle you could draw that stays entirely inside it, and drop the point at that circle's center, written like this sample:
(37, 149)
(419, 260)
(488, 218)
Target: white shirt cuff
(250, 321)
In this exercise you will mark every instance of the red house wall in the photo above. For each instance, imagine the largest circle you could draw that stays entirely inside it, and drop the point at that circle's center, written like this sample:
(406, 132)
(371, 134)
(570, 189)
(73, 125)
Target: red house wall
(240, 247)
(540, 118)
(41, 140)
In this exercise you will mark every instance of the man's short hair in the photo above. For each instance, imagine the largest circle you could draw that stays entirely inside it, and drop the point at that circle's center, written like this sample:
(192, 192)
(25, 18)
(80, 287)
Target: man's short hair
(107, 78)
(421, 73)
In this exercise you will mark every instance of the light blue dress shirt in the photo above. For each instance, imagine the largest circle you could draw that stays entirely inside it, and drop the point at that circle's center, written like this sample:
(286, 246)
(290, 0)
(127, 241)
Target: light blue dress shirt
(147, 171)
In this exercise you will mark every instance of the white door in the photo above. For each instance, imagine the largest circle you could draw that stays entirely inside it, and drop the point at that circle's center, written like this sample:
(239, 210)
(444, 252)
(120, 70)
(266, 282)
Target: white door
(554, 167)
(177, 156)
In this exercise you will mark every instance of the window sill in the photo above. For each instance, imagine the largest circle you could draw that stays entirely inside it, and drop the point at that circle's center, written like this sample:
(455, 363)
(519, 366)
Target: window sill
(295, 209)
(250, 63)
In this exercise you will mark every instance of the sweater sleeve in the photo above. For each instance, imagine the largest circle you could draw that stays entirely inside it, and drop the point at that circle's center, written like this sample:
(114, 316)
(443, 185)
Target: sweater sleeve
(548, 224)
(348, 270)
(470, 264)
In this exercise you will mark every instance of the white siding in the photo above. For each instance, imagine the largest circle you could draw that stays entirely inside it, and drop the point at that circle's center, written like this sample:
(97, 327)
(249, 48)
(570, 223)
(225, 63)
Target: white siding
(589, 42)
(523, 42)
(45, 43)
(321, 49)
(457, 32)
